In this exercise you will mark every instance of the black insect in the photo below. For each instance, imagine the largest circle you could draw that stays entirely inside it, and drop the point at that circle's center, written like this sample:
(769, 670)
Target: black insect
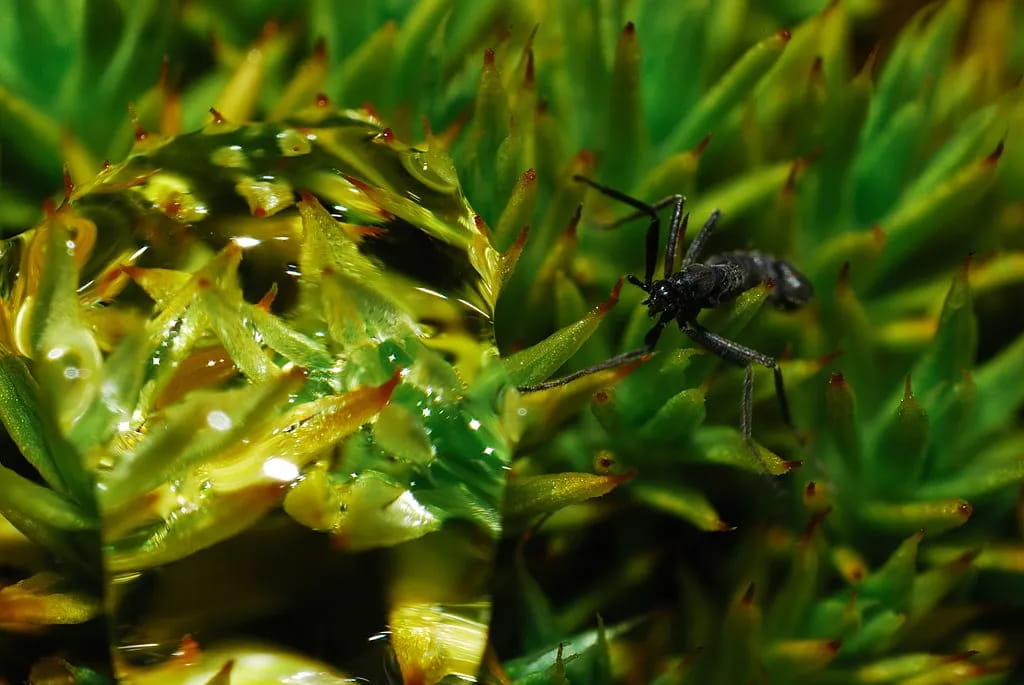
(681, 295)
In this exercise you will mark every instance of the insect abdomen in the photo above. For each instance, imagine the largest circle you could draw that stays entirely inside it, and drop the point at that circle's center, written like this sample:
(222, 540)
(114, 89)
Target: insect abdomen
(792, 289)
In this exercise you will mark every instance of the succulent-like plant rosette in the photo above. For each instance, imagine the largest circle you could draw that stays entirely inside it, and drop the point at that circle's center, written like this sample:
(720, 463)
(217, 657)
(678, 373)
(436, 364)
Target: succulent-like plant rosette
(810, 157)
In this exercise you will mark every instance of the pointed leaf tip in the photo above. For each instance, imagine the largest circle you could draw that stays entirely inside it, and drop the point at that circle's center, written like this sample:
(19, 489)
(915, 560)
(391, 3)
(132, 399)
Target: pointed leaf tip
(817, 67)
(69, 184)
(520, 242)
(995, 155)
(357, 183)
(320, 49)
(814, 524)
(613, 298)
(699, 149)
(389, 386)
(843, 282)
(867, 70)
(140, 133)
(826, 359)
(574, 222)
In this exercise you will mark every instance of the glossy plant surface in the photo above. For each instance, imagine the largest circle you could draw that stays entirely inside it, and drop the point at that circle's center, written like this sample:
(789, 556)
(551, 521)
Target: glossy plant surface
(322, 272)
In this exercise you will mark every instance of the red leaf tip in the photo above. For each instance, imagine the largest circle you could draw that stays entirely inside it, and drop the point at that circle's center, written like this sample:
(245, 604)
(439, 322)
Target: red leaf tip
(389, 387)
(613, 298)
(844, 275)
(817, 67)
(69, 184)
(320, 49)
(574, 222)
(995, 154)
(814, 524)
(702, 145)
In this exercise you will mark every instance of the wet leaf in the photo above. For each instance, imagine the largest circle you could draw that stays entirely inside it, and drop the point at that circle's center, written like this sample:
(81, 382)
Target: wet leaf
(723, 445)
(29, 500)
(29, 426)
(433, 641)
(518, 211)
(538, 666)
(537, 363)
(45, 599)
(535, 495)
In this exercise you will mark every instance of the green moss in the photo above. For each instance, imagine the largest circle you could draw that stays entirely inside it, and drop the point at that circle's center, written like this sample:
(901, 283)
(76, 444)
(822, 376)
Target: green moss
(877, 173)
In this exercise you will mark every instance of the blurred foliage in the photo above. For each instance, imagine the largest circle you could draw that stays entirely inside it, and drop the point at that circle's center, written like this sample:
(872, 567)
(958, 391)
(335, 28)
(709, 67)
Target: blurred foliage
(876, 145)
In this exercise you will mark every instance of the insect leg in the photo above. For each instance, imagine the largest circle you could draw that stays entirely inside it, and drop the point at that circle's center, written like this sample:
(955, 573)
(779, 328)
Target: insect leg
(653, 229)
(727, 349)
(611, 363)
(746, 430)
(747, 407)
(656, 206)
(697, 246)
(650, 340)
(780, 394)
(676, 233)
(744, 356)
